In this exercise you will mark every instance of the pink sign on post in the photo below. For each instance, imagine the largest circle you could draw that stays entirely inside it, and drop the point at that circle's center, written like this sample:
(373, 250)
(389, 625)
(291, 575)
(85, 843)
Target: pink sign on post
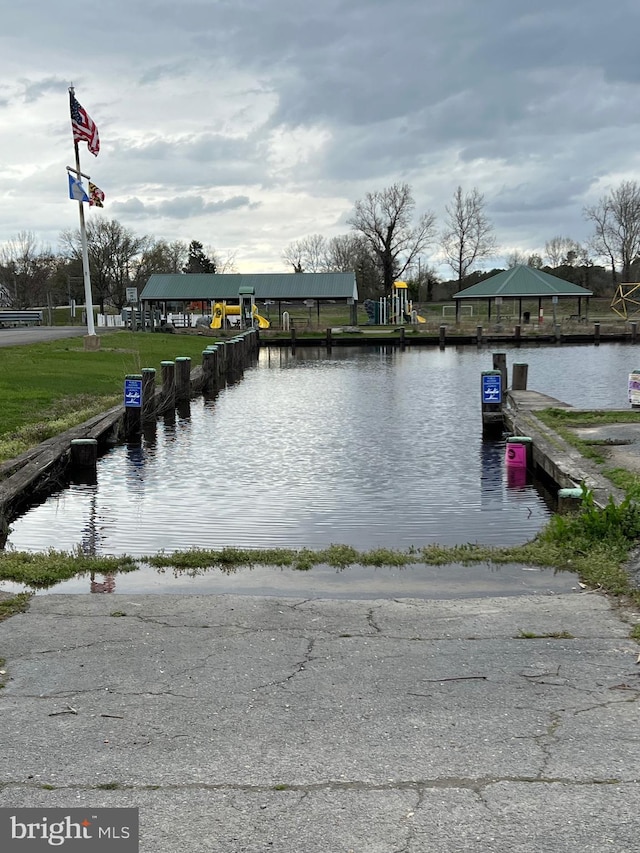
(515, 455)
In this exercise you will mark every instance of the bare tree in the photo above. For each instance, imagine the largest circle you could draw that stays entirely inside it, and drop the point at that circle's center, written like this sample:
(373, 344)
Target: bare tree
(616, 220)
(159, 257)
(468, 236)
(516, 258)
(113, 250)
(563, 251)
(308, 254)
(26, 271)
(385, 220)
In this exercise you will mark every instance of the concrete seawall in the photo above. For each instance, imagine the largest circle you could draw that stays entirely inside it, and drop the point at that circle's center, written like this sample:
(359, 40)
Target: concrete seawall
(552, 454)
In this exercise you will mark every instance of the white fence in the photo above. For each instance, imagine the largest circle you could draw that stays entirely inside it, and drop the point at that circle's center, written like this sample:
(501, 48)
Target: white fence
(450, 310)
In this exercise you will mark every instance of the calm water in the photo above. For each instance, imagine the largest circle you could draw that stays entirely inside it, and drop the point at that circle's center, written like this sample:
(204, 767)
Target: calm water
(358, 447)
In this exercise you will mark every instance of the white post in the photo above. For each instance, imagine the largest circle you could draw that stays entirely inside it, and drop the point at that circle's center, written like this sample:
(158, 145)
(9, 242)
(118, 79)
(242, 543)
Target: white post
(85, 258)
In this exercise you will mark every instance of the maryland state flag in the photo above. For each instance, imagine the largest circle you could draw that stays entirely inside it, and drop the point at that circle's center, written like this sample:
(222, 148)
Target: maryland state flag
(96, 196)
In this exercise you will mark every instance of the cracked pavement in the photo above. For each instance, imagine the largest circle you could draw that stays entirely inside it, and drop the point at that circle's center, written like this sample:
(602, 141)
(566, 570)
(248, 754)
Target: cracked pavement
(241, 724)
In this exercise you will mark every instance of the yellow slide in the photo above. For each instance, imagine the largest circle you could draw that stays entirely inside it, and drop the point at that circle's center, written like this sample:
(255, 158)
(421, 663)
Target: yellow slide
(221, 311)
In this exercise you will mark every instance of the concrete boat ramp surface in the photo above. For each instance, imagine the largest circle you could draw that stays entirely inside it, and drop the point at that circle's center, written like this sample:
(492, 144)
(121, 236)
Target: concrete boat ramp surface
(242, 724)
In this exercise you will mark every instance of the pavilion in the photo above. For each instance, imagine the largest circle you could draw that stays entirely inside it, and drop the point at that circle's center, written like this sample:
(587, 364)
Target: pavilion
(523, 283)
(175, 291)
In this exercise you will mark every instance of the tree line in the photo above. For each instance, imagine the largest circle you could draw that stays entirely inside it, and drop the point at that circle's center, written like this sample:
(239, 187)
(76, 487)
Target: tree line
(387, 242)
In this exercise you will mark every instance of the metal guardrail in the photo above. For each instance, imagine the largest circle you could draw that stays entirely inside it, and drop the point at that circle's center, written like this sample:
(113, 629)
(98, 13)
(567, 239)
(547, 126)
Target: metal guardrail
(16, 318)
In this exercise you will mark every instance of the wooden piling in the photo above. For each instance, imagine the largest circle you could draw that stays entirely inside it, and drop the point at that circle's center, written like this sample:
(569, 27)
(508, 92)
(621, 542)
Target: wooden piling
(443, 335)
(168, 373)
(569, 500)
(148, 395)
(132, 412)
(84, 452)
(500, 363)
(478, 334)
(596, 333)
(519, 377)
(209, 358)
(329, 340)
(492, 395)
(403, 342)
(634, 332)
(183, 378)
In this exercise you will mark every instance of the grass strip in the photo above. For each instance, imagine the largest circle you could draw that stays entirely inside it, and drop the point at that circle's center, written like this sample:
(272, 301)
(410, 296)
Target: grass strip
(50, 387)
(594, 543)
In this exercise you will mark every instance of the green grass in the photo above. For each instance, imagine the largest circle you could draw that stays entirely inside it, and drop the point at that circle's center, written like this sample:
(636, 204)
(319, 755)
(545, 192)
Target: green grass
(50, 387)
(42, 570)
(16, 604)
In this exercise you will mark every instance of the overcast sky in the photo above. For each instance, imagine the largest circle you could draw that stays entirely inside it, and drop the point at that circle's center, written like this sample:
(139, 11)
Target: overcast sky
(247, 124)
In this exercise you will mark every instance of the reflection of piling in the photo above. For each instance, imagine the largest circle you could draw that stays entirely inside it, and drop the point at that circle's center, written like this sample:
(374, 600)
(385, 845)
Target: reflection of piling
(183, 378)
(148, 395)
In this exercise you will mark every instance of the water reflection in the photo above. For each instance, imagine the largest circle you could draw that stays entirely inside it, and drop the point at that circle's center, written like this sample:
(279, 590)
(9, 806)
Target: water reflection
(367, 448)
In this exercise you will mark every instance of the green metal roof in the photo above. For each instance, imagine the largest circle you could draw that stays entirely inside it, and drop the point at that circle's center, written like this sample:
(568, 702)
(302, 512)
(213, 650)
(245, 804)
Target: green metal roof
(285, 286)
(522, 282)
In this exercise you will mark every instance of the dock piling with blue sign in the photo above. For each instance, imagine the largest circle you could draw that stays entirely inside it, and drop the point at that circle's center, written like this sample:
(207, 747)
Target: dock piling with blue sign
(492, 397)
(132, 405)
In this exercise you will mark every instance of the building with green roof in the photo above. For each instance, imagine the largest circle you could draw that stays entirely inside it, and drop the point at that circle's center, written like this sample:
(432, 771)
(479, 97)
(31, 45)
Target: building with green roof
(524, 283)
(174, 292)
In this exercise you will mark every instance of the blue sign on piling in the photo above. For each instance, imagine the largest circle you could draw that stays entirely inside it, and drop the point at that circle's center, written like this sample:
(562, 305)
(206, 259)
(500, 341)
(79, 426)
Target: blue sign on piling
(491, 388)
(133, 393)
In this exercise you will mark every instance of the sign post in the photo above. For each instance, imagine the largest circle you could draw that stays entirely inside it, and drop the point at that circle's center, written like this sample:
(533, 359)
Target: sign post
(132, 406)
(491, 399)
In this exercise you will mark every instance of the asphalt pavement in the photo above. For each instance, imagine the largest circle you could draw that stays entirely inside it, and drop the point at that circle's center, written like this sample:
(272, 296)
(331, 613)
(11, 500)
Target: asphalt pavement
(11, 337)
(240, 724)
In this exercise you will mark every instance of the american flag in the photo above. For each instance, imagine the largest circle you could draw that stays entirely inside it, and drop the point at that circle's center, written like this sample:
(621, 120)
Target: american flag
(84, 129)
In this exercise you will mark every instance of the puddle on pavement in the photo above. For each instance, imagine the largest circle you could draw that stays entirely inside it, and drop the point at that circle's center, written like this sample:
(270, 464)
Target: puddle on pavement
(356, 582)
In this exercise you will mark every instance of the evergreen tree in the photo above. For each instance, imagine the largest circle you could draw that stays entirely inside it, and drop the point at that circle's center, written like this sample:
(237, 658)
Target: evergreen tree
(197, 261)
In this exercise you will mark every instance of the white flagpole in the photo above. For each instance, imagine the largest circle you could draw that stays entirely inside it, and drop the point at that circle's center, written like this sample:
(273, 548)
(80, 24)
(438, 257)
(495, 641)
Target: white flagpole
(85, 252)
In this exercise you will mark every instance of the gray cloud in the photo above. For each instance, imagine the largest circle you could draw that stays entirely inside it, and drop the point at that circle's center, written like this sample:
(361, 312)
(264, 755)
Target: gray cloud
(288, 112)
(180, 207)
(37, 89)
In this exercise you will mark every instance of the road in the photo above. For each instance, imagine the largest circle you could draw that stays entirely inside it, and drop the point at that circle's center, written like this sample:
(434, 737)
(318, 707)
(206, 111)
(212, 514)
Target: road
(38, 334)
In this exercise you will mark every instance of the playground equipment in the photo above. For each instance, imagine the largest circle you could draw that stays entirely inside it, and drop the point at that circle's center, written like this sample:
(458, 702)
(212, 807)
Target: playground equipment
(396, 309)
(401, 307)
(626, 302)
(221, 311)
